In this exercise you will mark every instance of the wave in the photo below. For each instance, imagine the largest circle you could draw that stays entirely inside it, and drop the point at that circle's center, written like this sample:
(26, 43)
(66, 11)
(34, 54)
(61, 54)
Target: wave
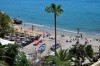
(98, 34)
(49, 27)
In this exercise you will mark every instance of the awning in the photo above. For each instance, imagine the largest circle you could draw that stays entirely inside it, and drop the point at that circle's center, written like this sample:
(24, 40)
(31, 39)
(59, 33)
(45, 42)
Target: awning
(5, 42)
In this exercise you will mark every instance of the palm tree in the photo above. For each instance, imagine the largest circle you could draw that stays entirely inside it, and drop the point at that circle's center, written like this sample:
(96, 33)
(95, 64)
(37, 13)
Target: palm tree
(61, 58)
(57, 11)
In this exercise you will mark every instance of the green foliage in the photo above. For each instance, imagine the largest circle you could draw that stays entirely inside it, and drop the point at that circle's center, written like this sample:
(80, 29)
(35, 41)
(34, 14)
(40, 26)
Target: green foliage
(4, 21)
(21, 60)
(62, 55)
(89, 51)
(54, 9)
(5, 24)
(11, 55)
(3, 63)
(46, 60)
(61, 58)
(2, 51)
(80, 52)
(11, 50)
(77, 53)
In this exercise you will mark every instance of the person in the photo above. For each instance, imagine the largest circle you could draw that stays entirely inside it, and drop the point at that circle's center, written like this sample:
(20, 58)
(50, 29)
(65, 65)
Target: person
(81, 35)
(66, 41)
(77, 41)
(32, 27)
(21, 28)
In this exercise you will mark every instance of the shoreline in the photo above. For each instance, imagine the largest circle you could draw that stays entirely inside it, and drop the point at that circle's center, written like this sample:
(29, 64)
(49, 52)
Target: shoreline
(61, 29)
(42, 28)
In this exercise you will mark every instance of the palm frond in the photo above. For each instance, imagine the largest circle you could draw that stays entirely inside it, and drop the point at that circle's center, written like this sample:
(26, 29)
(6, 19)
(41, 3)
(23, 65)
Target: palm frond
(54, 7)
(59, 7)
(48, 9)
(59, 10)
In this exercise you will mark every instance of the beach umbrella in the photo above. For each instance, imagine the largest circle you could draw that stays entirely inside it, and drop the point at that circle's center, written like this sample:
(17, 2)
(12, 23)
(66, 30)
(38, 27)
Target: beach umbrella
(36, 41)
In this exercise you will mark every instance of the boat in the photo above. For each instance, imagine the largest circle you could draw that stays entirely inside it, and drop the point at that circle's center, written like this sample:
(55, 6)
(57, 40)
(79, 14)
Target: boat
(53, 46)
(42, 48)
(17, 21)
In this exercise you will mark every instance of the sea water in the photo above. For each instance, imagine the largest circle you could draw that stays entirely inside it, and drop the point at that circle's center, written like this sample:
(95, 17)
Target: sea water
(83, 14)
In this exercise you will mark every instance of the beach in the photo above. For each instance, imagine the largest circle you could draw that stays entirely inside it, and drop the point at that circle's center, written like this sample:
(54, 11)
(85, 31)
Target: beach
(77, 13)
(66, 41)
(50, 32)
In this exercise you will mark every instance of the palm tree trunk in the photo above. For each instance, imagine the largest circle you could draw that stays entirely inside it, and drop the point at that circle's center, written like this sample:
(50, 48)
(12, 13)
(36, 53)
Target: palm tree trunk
(55, 30)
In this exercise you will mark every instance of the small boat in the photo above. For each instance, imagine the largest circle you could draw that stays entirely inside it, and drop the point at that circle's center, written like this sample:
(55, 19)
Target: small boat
(53, 46)
(42, 48)
(17, 21)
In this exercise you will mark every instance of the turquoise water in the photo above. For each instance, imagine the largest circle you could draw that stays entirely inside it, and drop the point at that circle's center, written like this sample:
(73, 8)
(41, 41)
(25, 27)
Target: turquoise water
(84, 14)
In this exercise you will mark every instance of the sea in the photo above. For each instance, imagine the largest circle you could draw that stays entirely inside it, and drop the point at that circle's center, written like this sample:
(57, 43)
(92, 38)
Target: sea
(82, 14)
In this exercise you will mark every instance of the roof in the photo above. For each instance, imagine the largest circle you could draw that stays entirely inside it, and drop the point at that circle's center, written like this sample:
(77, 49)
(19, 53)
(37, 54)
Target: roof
(5, 42)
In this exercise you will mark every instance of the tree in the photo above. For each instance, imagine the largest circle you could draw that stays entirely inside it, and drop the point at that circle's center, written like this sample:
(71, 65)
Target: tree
(5, 23)
(11, 56)
(77, 53)
(21, 60)
(11, 50)
(62, 58)
(57, 11)
(80, 52)
(89, 51)
(2, 53)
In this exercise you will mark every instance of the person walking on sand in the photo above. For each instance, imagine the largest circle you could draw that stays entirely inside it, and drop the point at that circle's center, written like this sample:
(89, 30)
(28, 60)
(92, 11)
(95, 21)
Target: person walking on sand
(32, 27)
(81, 35)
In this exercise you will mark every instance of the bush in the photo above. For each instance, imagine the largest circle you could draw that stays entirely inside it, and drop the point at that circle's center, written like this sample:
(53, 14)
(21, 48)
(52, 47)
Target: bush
(89, 51)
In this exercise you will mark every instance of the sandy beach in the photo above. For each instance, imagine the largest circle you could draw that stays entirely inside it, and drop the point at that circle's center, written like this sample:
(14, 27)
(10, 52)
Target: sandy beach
(66, 41)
